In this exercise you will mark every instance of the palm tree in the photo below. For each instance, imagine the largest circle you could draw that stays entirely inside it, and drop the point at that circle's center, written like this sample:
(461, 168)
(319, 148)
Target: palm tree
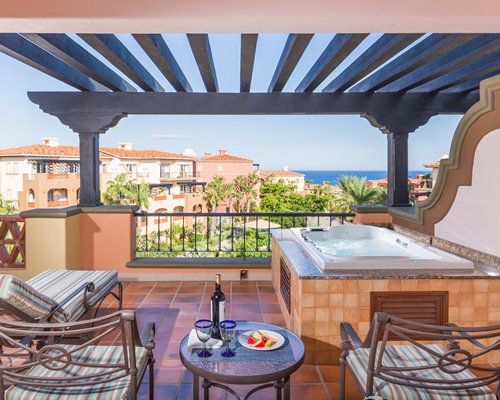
(122, 191)
(229, 194)
(245, 189)
(139, 194)
(357, 192)
(215, 192)
(117, 192)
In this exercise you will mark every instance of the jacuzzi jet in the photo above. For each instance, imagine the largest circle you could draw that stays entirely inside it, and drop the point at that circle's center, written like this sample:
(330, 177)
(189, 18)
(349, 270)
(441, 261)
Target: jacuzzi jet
(401, 243)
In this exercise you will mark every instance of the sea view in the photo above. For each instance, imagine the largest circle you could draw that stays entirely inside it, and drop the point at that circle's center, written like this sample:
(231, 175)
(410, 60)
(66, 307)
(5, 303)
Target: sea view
(319, 177)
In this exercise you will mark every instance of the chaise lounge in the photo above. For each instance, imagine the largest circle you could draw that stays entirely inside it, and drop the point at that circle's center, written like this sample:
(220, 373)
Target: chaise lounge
(57, 295)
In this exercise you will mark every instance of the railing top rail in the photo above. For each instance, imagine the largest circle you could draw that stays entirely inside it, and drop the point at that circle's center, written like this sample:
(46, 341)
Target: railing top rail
(14, 218)
(250, 214)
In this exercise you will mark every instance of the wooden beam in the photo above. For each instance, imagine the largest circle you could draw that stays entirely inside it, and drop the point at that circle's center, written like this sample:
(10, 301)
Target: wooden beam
(158, 51)
(423, 52)
(247, 57)
(89, 170)
(337, 51)
(66, 49)
(121, 57)
(477, 69)
(456, 58)
(386, 47)
(397, 170)
(200, 45)
(20, 48)
(294, 47)
(388, 111)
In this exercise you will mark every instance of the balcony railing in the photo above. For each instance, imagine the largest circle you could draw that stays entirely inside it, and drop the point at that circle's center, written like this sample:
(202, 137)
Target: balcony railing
(12, 242)
(219, 234)
(176, 175)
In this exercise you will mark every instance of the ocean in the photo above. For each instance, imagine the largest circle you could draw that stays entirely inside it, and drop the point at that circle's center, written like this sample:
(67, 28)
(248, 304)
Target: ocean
(332, 177)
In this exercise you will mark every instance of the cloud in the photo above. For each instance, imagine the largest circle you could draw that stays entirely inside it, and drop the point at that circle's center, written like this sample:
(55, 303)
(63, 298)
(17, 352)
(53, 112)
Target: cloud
(170, 136)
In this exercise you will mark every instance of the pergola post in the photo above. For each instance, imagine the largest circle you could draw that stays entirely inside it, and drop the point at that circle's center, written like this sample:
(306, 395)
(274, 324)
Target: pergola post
(90, 195)
(397, 170)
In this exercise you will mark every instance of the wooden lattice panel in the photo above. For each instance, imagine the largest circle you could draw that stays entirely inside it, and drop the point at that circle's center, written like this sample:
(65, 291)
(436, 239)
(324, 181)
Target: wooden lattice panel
(12, 242)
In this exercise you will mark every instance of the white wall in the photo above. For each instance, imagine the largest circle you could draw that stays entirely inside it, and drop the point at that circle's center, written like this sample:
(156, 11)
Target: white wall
(474, 218)
(11, 176)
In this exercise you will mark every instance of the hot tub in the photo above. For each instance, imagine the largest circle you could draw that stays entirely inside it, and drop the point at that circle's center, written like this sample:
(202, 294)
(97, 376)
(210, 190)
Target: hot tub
(368, 247)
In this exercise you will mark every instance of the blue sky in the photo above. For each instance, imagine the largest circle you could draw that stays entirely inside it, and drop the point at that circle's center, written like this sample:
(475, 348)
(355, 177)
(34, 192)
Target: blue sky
(300, 142)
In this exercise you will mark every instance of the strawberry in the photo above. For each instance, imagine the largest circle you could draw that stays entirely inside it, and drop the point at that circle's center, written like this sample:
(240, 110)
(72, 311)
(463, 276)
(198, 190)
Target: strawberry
(251, 341)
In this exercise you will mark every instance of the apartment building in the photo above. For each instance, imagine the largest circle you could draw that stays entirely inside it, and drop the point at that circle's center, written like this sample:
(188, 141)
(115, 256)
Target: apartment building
(289, 177)
(47, 174)
(223, 164)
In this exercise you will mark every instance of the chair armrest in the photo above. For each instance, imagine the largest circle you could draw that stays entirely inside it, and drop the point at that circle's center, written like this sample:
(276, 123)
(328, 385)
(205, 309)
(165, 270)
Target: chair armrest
(147, 336)
(349, 335)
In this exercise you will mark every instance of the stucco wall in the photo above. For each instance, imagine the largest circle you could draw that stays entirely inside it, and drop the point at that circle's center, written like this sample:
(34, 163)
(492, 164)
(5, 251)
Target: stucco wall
(474, 217)
(206, 170)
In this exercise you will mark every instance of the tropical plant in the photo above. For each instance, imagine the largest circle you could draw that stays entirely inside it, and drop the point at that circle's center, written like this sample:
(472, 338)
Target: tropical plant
(245, 191)
(356, 191)
(215, 193)
(122, 191)
(7, 207)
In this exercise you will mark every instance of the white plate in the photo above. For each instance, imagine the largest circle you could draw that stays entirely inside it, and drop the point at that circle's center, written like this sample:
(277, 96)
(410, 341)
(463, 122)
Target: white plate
(243, 339)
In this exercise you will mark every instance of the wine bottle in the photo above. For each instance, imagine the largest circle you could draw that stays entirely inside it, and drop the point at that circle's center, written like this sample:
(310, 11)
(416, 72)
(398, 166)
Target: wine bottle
(218, 301)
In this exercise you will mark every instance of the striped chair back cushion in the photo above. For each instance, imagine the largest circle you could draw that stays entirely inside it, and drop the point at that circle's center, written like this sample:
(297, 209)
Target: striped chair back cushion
(22, 297)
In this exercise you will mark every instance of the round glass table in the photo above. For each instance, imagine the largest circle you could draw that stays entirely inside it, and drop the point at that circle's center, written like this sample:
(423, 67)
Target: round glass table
(249, 367)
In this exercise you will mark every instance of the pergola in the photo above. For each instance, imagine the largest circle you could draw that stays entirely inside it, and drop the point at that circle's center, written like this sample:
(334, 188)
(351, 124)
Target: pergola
(398, 83)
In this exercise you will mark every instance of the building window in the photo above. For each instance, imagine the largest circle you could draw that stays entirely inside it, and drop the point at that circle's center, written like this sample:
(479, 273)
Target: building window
(57, 195)
(12, 168)
(219, 168)
(31, 196)
(131, 168)
(200, 167)
(9, 194)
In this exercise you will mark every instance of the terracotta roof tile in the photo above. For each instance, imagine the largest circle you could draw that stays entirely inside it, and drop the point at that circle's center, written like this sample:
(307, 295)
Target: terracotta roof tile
(434, 164)
(74, 151)
(226, 157)
(281, 173)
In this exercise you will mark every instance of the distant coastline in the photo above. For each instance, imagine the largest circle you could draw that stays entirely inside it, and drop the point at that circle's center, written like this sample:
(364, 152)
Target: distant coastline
(332, 177)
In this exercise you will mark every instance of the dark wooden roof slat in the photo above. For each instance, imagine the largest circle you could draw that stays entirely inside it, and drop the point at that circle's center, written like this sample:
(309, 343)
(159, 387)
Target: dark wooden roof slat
(471, 85)
(66, 49)
(386, 47)
(158, 51)
(456, 58)
(423, 52)
(117, 54)
(294, 47)
(337, 51)
(248, 49)
(200, 45)
(22, 49)
(469, 72)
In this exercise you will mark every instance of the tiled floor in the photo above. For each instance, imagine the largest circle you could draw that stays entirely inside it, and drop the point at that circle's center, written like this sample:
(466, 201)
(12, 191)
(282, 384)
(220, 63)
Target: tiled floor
(174, 306)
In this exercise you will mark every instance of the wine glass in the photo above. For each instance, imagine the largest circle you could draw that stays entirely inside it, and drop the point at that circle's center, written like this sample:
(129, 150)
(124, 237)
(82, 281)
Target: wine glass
(204, 332)
(227, 331)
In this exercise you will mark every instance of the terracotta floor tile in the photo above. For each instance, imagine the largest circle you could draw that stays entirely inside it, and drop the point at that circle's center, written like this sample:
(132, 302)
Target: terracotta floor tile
(139, 287)
(306, 374)
(185, 308)
(266, 289)
(253, 308)
(244, 289)
(267, 298)
(159, 298)
(191, 289)
(265, 394)
(311, 391)
(275, 319)
(162, 391)
(271, 308)
(351, 392)
(188, 298)
(134, 297)
(264, 283)
(240, 298)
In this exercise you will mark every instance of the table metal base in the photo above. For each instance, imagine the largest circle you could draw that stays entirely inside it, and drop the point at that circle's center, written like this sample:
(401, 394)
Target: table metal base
(282, 387)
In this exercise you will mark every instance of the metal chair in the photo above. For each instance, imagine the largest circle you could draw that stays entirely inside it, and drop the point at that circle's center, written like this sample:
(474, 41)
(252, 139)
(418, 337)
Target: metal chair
(80, 371)
(420, 370)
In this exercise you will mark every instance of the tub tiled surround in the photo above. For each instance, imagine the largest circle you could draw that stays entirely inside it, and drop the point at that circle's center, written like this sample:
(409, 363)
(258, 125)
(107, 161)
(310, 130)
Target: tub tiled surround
(320, 302)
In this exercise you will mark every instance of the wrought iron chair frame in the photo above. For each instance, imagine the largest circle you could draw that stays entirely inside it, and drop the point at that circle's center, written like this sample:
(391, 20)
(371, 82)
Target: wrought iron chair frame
(122, 321)
(384, 324)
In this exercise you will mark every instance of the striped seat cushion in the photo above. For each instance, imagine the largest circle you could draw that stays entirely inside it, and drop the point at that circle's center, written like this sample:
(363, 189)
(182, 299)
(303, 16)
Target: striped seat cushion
(23, 297)
(60, 283)
(95, 355)
(412, 356)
